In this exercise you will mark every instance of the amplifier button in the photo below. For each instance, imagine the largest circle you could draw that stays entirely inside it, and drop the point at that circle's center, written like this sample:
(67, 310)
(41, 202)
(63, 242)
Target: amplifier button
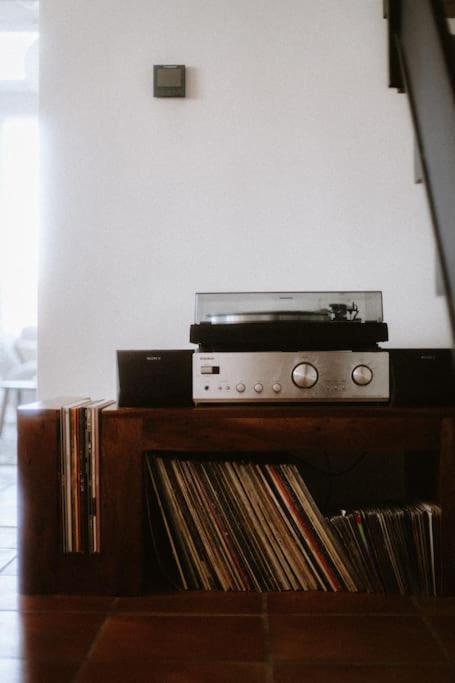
(362, 375)
(240, 388)
(258, 388)
(276, 388)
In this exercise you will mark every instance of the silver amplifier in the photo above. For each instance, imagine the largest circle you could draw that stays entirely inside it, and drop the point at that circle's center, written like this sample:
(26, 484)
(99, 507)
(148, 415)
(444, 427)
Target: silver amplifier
(292, 377)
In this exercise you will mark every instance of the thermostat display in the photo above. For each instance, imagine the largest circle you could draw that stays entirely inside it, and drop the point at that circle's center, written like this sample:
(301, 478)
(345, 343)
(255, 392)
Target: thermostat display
(169, 80)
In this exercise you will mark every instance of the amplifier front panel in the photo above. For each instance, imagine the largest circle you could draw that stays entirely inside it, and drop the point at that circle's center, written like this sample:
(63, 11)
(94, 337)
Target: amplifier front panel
(292, 377)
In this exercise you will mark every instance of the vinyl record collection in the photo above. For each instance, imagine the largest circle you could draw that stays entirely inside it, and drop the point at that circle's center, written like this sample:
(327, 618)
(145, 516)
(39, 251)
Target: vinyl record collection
(394, 549)
(234, 525)
(79, 476)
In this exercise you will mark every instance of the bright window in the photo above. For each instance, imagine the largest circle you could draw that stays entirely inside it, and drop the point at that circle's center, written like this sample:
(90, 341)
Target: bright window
(14, 48)
(18, 223)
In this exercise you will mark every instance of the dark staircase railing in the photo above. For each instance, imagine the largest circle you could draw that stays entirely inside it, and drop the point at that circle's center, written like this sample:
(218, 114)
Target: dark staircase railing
(422, 64)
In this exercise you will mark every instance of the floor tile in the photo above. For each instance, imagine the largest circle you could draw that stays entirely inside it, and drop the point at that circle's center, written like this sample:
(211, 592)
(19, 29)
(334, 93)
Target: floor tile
(8, 446)
(445, 630)
(348, 639)
(8, 506)
(47, 637)
(337, 603)
(11, 569)
(295, 672)
(8, 475)
(210, 602)
(9, 599)
(174, 672)
(6, 556)
(8, 495)
(8, 537)
(20, 671)
(11, 635)
(145, 638)
(65, 603)
(5, 481)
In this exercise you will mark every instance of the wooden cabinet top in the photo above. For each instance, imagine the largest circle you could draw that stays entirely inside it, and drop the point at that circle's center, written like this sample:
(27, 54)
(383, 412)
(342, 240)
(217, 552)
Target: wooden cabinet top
(222, 412)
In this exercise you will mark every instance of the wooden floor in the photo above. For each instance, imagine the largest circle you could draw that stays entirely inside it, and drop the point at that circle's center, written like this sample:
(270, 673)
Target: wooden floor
(216, 637)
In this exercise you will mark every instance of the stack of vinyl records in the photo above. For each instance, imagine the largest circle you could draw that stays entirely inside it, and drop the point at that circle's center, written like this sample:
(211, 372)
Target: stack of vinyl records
(80, 475)
(394, 549)
(242, 526)
(233, 525)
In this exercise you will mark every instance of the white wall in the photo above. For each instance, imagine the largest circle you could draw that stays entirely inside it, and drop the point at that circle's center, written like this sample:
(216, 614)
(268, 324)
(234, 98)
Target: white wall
(288, 166)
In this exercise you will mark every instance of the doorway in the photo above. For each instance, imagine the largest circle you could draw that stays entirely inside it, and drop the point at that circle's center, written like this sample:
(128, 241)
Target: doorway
(19, 168)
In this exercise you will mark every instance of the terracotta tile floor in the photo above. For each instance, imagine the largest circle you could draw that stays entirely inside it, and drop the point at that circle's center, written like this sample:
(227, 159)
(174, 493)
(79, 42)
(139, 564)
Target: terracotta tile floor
(216, 637)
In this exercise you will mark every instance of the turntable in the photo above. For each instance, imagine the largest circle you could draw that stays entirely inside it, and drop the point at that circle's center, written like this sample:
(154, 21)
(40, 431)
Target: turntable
(289, 347)
(288, 321)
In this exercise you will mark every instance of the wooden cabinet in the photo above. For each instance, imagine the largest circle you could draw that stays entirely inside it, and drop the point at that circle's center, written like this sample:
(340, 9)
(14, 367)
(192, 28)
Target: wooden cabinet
(127, 433)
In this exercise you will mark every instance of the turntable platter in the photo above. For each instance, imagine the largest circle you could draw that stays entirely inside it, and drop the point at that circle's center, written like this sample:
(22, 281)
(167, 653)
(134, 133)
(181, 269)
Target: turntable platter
(268, 317)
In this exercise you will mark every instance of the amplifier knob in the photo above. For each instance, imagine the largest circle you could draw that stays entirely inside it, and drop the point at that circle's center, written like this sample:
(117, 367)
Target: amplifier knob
(362, 375)
(276, 387)
(305, 375)
(240, 388)
(258, 388)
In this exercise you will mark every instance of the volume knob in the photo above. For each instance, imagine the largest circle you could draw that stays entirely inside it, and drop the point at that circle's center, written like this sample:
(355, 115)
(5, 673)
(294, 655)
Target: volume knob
(305, 375)
(362, 375)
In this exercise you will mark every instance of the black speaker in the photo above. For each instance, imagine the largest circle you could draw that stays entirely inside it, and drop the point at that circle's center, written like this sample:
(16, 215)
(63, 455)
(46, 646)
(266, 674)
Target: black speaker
(422, 376)
(154, 378)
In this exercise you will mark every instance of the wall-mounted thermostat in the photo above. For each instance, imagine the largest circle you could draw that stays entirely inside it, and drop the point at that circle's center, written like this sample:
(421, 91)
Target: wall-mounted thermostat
(169, 80)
